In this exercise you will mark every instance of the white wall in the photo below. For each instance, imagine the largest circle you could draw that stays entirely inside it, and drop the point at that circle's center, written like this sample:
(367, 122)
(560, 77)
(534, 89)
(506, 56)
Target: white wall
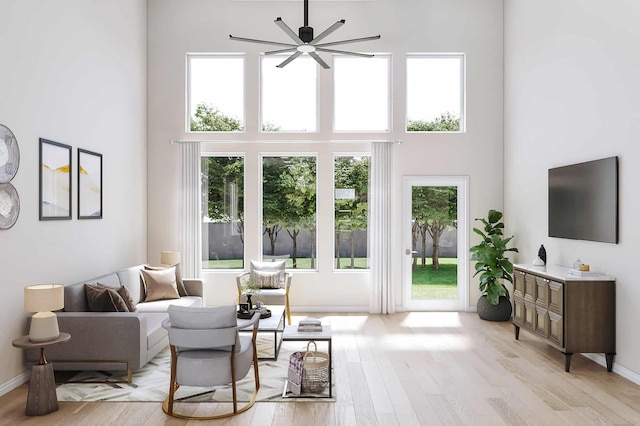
(468, 26)
(572, 94)
(73, 71)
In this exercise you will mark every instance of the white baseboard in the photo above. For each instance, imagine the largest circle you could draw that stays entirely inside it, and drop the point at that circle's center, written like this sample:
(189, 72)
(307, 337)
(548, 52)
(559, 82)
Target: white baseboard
(316, 308)
(12, 384)
(632, 376)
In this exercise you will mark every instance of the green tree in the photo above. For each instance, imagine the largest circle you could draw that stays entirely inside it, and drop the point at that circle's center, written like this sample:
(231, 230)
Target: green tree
(270, 127)
(351, 214)
(272, 200)
(447, 122)
(209, 118)
(223, 182)
(298, 185)
(434, 210)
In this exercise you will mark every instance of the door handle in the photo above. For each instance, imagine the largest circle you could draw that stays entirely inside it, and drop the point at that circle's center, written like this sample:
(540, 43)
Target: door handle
(407, 252)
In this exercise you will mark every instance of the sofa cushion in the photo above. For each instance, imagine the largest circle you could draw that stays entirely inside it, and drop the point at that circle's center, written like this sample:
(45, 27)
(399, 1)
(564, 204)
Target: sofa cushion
(182, 291)
(75, 299)
(155, 332)
(159, 285)
(130, 278)
(104, 299)
(124, 293)
(163, 305)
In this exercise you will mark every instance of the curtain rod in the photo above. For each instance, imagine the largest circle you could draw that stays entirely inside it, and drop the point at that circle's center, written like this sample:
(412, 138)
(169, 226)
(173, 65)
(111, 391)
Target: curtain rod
(396, 142)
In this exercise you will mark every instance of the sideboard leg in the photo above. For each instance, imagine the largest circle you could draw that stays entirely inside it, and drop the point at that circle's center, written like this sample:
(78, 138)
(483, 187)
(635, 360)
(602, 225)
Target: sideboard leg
(609, 358)
(516, 330)
(567, 361)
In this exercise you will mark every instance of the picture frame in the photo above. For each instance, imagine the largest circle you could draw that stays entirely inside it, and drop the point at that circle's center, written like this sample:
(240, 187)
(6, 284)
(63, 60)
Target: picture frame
(89, 184)
(55, 180)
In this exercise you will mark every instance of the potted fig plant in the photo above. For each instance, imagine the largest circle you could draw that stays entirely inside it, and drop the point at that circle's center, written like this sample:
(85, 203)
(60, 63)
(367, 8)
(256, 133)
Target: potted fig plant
(493, 267)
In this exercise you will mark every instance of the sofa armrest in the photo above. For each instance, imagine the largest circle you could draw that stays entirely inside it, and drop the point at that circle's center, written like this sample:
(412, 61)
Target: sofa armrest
(99, 337)
(193, 286)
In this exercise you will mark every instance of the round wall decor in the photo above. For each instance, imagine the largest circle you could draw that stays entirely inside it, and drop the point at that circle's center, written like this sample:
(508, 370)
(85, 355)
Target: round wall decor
(9, 154)
(9, 205)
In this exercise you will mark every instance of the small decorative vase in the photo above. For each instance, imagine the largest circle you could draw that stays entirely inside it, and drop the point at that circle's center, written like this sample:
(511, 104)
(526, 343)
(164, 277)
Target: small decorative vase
(542, 254)
(489, 312)
(249, 301)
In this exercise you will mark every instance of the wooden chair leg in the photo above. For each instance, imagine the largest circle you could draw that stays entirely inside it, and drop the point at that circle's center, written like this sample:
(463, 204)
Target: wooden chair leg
(233, 378)
(286, 308)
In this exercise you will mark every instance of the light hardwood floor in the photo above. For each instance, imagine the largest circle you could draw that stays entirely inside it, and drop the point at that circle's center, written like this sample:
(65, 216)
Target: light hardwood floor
(425, 368)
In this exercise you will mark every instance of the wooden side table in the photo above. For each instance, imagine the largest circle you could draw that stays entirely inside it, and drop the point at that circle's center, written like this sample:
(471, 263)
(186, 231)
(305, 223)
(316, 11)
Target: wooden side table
(42, 397)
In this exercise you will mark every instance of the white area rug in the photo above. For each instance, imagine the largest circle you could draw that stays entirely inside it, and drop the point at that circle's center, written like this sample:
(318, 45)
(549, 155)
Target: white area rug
(151, 383)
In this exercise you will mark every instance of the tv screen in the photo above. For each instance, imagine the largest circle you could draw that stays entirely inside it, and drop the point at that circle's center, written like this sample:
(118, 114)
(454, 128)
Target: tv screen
(583, 201)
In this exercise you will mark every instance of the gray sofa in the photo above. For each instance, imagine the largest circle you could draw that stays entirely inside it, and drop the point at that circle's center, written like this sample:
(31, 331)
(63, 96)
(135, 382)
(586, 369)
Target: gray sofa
(114, 340)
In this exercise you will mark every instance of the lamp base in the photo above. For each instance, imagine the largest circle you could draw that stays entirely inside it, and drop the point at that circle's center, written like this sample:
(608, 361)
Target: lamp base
(44, 327)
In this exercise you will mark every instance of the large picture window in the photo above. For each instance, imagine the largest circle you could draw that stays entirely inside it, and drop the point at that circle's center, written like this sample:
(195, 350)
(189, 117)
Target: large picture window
(215, 93)
(351, 191)
(435, 96)
(362, 94)
(289, 210)
(223, 212)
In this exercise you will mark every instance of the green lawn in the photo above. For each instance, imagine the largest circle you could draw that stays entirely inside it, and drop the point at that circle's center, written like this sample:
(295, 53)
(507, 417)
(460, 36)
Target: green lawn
(427, 283)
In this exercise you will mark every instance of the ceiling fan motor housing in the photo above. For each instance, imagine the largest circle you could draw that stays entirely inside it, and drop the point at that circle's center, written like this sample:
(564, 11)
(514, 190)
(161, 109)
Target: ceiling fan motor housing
(306, 34)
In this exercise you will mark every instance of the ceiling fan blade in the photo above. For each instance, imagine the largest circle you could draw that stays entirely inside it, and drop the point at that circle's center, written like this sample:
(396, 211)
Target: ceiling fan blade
(319, 60)
(253, 40)
(289, 59)
(328, 31)
(352, 40)
(342, 52)
(275, 52)
(279, 22)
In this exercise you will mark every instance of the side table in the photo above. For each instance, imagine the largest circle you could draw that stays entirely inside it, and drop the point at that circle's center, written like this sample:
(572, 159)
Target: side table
(291, 333)
(42, 397)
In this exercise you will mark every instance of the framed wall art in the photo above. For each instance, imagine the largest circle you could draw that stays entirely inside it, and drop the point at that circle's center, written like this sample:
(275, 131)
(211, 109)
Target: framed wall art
(89, 185)
(55, 180)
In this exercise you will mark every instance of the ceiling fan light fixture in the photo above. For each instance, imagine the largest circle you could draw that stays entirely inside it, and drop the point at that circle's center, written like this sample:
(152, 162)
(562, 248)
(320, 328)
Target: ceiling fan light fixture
(305, 42)
(306, 48)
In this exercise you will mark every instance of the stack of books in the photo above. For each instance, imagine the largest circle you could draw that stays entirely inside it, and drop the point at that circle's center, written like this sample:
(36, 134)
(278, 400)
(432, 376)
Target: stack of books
(309, 325)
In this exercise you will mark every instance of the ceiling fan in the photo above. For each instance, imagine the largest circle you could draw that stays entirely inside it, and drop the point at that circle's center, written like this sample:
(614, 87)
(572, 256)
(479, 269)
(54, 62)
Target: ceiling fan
(306, 43)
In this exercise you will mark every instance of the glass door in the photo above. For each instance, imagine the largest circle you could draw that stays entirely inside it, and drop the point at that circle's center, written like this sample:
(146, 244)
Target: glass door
(435, 267)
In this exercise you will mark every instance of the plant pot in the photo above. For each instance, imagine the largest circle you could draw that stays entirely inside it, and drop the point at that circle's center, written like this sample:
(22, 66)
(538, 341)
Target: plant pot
(489, 312)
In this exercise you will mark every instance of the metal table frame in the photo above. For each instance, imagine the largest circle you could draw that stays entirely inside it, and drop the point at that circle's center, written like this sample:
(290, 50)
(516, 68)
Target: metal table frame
(291, 333)
(274, 324)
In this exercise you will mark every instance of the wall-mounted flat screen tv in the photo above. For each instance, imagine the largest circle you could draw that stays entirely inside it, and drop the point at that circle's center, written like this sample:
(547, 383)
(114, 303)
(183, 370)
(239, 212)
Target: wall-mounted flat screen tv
(583, 201)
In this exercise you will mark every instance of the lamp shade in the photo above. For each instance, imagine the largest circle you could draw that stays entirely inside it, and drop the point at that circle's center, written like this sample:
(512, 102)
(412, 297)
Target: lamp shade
(43, 297)
(170, 257)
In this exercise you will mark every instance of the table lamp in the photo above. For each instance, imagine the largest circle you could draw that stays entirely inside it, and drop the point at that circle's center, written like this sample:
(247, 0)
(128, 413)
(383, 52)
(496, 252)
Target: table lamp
(170, 257)
(42, 299)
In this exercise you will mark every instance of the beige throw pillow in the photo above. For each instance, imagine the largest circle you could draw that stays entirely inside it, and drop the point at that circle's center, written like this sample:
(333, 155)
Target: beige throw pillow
(159, 285)
(101, 298)
(182, 290)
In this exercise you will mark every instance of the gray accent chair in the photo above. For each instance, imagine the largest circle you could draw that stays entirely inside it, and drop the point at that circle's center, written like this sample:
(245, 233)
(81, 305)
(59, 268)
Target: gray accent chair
(207, 350)
(278, 292)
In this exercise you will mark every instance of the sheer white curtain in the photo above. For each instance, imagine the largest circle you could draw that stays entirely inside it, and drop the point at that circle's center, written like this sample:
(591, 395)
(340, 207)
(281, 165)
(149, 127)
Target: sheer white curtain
(381, 298)
(190, 220)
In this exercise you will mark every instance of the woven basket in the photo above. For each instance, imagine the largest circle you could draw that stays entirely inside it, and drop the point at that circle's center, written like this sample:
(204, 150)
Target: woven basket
(315, 370)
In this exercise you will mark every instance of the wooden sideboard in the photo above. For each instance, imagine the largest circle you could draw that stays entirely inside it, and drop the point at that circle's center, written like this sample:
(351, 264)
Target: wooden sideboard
(576, 314)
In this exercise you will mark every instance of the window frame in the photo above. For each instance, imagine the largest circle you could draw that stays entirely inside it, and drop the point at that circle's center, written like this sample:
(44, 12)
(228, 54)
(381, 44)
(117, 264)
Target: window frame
(242, 155)
(389, 57)
(261, 157)
(188, 57)
(463, 88)
(261, 98)
(333, 215)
